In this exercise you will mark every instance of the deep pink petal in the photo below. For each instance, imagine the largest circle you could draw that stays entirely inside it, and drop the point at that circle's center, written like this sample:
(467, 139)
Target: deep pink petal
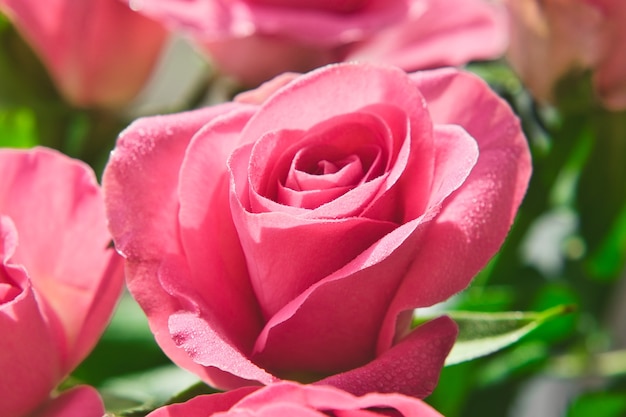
(304, 335)
(81, 401)
(411, 367)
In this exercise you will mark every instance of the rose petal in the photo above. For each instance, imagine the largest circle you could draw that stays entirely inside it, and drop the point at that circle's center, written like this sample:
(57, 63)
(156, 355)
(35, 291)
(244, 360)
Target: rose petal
(32, 355)
(204, 405)
(433, 37)
(411, 367)
(206, 215)
(145, 224)
(205, 346)
(475, 220)
(68, 259)
(81, 401)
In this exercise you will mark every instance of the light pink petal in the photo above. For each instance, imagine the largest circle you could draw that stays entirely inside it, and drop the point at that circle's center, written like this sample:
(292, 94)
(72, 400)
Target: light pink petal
(439, 33)
(8, 238)
(205, 346)
(140, 181)
(476, 218)
(292, 399)
(332, 91)
(32, 352)
(207, 234)
(204, 405)
(141, 185)
(411, 367)
(99, 52)
(326, 397)
(81, 401)
(58, 209)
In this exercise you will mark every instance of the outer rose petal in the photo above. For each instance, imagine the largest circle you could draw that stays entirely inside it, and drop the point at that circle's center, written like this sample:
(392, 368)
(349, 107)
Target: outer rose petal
(474, 222)
(29, 372)
(99, 52)
(147, 231)
(81, 401)
(62, 278)
(204, 405)
(411, 367)
(286, 398)
(67, 257)
(438, 33)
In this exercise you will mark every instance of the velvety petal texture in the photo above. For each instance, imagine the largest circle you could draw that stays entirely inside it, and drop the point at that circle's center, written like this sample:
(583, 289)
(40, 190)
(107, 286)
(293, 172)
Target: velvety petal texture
(59, 279)
(254, 40)
(98, 52)
(551, 38)
(290, 399)
(290, 234)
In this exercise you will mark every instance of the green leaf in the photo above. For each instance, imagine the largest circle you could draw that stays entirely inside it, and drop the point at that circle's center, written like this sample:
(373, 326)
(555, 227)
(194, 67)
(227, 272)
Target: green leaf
(483, 333)
(599, 405)
(146, 391)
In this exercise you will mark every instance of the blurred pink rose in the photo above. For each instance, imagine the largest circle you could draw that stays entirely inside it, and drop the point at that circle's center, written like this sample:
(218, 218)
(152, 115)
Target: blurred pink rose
(98, 52)
(294, 400)
(553, 37)
(254, 40)
(59, 281)
(291, 233)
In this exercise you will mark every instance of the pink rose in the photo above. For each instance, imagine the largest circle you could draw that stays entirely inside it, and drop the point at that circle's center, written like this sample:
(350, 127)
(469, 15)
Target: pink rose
(98, 52)
(290, 399)
(59, 281)
(291, 233)
(254, 40)
(551, 38)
